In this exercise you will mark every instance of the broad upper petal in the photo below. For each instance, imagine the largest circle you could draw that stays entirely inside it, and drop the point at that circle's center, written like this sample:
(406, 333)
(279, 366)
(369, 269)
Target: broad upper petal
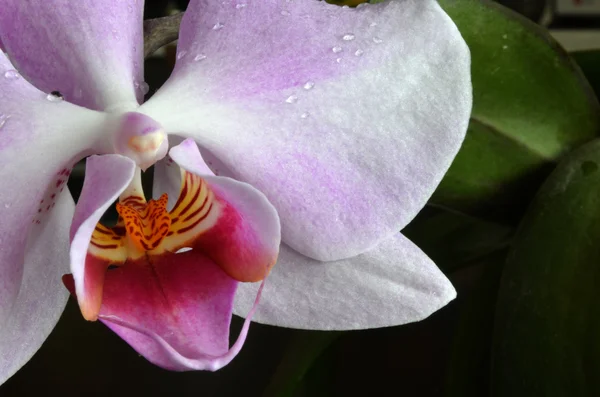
(106, 177)
(175, 310)
(393, 284)
(346, 119)
(40, 140)
(241, 233)
(90, 51)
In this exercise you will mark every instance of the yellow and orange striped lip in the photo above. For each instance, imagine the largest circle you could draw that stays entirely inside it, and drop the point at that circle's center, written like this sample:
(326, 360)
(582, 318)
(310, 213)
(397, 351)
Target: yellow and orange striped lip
(147, 227)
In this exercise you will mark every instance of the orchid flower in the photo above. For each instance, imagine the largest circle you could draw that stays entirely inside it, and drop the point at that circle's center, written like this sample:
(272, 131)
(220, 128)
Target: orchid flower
(323, 128)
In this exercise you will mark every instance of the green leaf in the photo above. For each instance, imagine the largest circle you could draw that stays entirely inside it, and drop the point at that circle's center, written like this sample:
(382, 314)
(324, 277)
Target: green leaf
(547, 336)
(589, 62)
(531, 105)
(304, 348)
(468, 366)
(453, 240)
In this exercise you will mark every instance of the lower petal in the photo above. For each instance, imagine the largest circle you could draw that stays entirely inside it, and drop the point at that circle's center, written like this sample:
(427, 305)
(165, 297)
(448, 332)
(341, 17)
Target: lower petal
(393, 284)
(41, 298)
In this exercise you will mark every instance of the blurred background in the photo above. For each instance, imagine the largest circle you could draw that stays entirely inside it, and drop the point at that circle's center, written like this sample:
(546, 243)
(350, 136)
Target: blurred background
(448, 354)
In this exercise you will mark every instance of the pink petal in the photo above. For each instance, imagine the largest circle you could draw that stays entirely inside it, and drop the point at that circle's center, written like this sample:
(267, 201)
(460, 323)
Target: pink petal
(245, 236)
(346, 119)
(393, 284)
(90, 51)
(33, 174)
(106, 178)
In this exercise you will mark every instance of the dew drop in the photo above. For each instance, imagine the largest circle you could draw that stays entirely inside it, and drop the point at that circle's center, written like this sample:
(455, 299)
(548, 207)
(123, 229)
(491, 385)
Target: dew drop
(504, 47)
(144, 87)
(240, 6)
(309, 85)
(373, 24)
(55, 96)
(359, 53)
(218, 26)
(305, 115)
(377, 40)
(339, 60)
(12, 74)
(3, 119)
(348, 37)
(336, 49)
(199, 57)
(292, 99)
(285, 13)
(181, 54)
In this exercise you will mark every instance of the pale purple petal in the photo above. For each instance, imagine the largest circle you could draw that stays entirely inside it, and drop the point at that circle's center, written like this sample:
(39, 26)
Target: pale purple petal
(90, 51)
(393, 284)
(346, 119)
(41, 296)
(40, 140)
(106, 177)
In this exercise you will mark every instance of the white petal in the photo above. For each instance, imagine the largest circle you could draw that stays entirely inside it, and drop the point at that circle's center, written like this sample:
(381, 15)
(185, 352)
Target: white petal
(393, 284)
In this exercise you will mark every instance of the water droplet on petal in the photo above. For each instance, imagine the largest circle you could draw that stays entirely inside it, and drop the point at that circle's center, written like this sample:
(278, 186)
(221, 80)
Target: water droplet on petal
(144, 87)
(199, 57)
(377, 40)
(309, 85)
(238, 6)
(373, 24)
(285, 13)
(181, 54)
(3, 119)
(12, 74)
(336, 49)
(348, 37)
(339, 60)
(55, 96)
(359, 53)
(292, 99)
(305, 115)
(218, 26)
